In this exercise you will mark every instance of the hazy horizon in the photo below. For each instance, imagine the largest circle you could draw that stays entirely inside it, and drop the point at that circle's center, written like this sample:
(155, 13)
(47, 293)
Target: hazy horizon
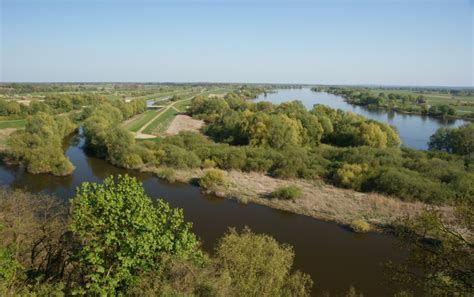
(379, 43)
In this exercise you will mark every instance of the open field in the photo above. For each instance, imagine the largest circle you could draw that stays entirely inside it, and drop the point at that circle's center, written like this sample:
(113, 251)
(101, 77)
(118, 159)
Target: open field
(161, 123)
(12, 124)
(135, 123)
(182, 105)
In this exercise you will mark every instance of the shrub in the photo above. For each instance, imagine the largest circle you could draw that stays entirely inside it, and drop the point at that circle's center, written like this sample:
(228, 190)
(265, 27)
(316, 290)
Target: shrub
(360, 226)
(291, 192)
(213, 179)
(208, 164)
(351, 175)
(168, 174)
(407, 185)
(259, 266)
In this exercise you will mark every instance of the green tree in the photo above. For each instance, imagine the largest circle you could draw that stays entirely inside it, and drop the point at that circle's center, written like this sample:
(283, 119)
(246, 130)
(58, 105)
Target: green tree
(455, 140)
(121, 234)
(372, 135)
(39, 146)
(259, 266)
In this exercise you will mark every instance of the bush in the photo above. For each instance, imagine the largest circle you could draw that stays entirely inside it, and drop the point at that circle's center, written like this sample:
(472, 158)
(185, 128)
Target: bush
(360, 226)
(407, 185)
(212, 180)
(168, 174)
(351, 175)
(291, 192)
(208, 164)
(259, 266)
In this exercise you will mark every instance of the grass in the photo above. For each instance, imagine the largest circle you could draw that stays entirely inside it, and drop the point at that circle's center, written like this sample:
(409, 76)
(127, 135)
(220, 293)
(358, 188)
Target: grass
(142, 120)
(12, 124)
(156, 139)
(183, 105)
(161, 123)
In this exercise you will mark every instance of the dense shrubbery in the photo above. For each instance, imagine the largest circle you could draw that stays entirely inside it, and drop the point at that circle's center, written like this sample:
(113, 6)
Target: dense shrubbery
(287, 141)
(238, 122)
(407, 174)
(116, 242)
(454, 140)
(106, 139)
(39, 146)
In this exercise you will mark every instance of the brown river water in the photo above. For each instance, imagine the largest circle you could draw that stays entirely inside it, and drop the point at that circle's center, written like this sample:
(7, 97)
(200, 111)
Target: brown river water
(335, 257)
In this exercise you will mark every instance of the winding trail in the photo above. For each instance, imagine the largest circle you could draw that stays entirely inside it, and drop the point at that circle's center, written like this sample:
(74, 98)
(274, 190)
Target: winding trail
(140, 135)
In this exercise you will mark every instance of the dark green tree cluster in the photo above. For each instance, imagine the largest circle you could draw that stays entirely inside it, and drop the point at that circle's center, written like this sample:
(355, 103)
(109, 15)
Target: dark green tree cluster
(454, 140)
(239, 122)
(39, 146)
(106, 139)
(116, 242)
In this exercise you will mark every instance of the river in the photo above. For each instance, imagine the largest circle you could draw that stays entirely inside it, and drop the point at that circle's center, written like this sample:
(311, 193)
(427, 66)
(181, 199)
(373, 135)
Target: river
(414, 130)
(335, 257)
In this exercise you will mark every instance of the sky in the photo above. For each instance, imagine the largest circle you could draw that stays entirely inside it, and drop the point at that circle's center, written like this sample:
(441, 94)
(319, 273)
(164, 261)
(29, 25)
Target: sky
(380, 42)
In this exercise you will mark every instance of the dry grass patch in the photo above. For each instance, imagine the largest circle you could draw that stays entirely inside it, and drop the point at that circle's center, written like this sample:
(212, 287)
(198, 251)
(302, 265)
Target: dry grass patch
(184, 123)
(318, 200)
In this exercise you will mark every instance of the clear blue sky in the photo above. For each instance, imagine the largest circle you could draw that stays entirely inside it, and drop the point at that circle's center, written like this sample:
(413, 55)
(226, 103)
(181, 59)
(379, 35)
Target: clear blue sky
(336, 42)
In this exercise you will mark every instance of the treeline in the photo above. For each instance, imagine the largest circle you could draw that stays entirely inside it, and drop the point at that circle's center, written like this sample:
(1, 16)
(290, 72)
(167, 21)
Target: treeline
(20, 88)
(241, 122)
(107, 139)
(51, 104)
(454, 140)
(114, 241)
(393, 101)
(39, 146)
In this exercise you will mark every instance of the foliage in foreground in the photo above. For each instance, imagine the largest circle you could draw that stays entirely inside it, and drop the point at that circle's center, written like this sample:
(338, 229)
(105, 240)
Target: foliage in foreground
(259, 266)
(440, 253)
(112, 252)
(116, 242)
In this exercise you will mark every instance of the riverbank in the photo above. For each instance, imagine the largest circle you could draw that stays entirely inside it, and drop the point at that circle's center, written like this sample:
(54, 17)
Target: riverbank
(319, 200)
(465, 117)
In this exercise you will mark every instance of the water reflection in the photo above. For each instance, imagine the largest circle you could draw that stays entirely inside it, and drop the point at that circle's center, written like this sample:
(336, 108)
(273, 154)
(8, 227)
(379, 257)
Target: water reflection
(334, 257)
(414, 130)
